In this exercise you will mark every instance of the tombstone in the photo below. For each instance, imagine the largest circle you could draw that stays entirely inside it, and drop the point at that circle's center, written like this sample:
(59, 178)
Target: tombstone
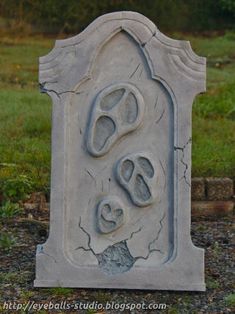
(121, 159)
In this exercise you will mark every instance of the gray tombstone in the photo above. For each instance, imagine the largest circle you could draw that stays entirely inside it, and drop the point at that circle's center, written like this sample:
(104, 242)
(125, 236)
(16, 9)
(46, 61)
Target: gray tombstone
(121, 159)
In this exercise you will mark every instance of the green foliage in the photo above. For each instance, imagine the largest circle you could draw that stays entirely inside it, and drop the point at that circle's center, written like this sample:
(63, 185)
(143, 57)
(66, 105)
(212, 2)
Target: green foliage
(19, 60)
(60, 291)
(26, 295)
(215, 47)
(216, 249)
(9, 210)
(228, 6)
(187, 299)
(16, 189)
(25, 118)
(211, 283)
(8, 277)
(13, 277)
(74, 15)
(217, 103)
(173, 310)
(7, 241)
(230, 299)
(213, 149)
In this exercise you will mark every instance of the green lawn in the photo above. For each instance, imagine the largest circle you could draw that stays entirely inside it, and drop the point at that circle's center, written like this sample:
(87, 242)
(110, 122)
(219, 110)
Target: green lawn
(25, 114)
(213, 151)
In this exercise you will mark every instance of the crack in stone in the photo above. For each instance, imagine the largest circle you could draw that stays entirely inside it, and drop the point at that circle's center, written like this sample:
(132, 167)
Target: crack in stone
(159, 119)
(132, 234)
(134, 71)
(156, 102)
(182, 160)
(90, 249)
(41, 251)
(152, 242)
(141, 72)
(164, 172)
(116, 258)
(153, 35)
(43, 89)
(91, 175)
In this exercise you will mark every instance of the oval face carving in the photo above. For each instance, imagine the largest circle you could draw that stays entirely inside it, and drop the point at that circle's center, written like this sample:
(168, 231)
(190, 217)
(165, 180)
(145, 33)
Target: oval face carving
(118, 110)
(110, 215)
(136, 174)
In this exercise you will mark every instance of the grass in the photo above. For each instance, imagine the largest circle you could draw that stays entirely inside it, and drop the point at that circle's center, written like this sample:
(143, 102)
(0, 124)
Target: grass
(25, 119)
(7, 241)
(213, 151)
(25, 114)
(230, 299)
(59, 291)
(25, 135)
(9, 210)
(19, 60)
(222, 46)
(14, 277)
(212, 283)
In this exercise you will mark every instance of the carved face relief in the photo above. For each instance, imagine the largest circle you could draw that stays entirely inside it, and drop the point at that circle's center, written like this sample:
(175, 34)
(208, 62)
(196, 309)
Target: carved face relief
(118, 110)
(136, 175)
(110, 215)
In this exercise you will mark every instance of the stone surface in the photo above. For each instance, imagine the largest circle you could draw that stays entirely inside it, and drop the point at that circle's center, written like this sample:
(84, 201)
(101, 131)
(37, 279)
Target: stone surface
(121, 159)
(198, 190)
(219, 189)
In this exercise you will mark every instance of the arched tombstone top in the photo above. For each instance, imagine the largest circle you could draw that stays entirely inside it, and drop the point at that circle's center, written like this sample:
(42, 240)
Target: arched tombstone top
(171, 61)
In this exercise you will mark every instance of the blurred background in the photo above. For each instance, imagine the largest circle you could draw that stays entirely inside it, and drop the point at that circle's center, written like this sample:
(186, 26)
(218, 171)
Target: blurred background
(71, 16)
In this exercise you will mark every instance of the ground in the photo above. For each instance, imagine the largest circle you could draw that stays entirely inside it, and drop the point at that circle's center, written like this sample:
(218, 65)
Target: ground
(29, 228)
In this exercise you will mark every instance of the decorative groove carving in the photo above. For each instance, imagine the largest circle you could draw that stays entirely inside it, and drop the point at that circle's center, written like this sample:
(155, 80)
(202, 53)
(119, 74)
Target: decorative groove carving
(181, 45)
(144, 33)
(187, 70)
